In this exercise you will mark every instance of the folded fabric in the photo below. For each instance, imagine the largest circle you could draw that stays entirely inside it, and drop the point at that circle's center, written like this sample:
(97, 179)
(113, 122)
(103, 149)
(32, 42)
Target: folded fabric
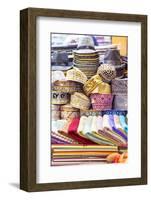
(112, 137)
(126, 118)
(87, 125)
(78, 154)
(55, 140)
(97, 138)
(73, 132)
(94, 127)
(110, 133)
(123, 123)
(81, 124)
(101, 133)
(54, 127)
(63, 138)
(99, 123)
(93, 133)
(90, 131)
(117, 122)
(57, 125)
(65, 127)
(118, 131)
(79, 147)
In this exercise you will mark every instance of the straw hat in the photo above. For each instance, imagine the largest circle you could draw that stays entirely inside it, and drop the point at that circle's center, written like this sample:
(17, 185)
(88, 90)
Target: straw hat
(113, 58)
(76, 75)
(107, 72)
(79, 100)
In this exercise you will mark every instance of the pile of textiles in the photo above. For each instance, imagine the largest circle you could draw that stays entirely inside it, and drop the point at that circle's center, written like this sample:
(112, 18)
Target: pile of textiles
(80, 154)
(89, 104)
(107, 130)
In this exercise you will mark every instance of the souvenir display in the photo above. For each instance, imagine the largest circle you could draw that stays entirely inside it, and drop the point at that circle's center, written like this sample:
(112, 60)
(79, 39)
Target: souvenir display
(89, 105)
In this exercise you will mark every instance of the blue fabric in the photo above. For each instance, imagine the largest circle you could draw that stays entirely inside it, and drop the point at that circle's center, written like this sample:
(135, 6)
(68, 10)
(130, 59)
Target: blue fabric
(123, 123)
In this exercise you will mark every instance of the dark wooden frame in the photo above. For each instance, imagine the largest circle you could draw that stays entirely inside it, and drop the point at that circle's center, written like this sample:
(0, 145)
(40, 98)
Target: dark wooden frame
(28, 98)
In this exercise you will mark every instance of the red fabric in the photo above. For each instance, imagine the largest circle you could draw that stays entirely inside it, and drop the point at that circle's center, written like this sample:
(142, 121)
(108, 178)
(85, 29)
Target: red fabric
(72, 131)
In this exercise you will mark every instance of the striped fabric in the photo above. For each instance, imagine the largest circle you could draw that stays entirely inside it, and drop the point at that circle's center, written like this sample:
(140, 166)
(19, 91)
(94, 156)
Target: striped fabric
(86, 140)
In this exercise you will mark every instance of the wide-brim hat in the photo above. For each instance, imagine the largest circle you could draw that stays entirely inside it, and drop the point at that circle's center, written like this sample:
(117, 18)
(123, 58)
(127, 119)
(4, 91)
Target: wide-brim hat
(86, 50)
(113, 58)
(61, 68)
(60, 61)
(85, 45)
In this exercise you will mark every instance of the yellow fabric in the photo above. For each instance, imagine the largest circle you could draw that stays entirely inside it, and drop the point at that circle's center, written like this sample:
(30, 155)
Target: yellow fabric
(121, 42)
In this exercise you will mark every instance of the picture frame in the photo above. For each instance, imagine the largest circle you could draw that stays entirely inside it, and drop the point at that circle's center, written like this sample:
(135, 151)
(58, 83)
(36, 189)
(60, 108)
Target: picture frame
(28, 98)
